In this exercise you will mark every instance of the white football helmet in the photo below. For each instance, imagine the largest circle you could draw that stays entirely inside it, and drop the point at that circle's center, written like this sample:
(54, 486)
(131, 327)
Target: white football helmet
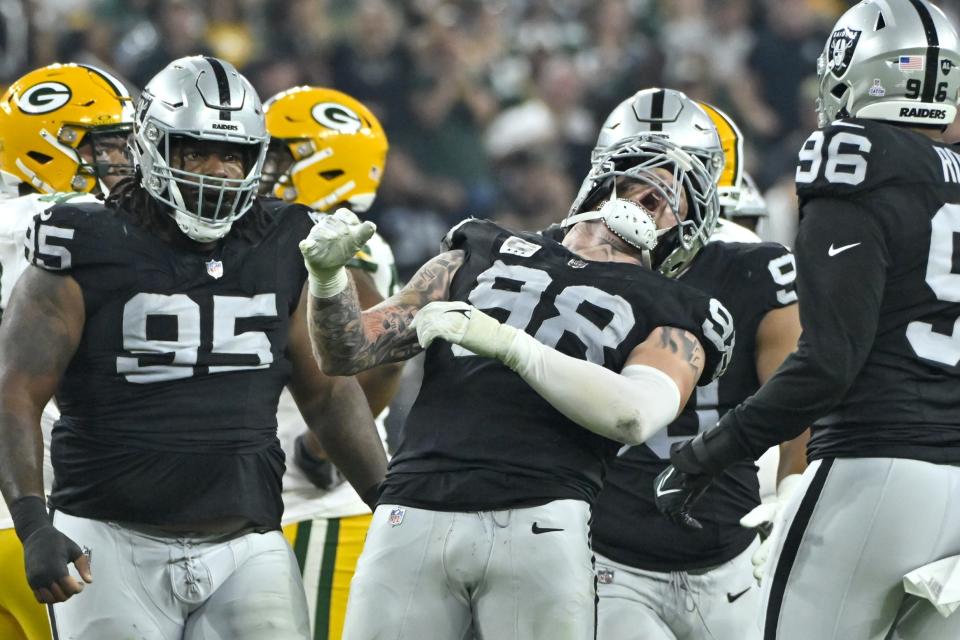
(657, 129)
(893, 60)
(208, 100)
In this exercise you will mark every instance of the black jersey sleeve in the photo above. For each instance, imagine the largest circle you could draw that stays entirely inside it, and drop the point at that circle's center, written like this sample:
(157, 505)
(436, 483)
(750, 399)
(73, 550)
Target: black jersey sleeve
(771, 275)
(66, 236)
(842, 259)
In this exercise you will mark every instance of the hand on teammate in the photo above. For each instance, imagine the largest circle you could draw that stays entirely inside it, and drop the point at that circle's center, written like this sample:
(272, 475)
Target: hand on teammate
(463, 324)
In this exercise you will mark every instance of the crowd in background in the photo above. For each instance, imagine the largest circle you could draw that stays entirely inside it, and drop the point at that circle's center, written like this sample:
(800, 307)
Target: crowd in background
(491, 106)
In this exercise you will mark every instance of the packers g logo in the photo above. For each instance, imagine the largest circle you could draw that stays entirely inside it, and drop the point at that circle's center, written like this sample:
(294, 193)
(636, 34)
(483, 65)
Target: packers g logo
(335, 116)
(44, 97)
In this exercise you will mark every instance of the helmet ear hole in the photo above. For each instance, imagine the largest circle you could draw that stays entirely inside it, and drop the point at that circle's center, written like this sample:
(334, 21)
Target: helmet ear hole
(38, 157)
(332, 174)
(880, 22)
(838, 90)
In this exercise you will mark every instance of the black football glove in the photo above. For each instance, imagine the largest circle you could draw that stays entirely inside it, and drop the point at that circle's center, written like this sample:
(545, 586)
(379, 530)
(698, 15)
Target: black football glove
(47, 552)
(320, 471)
(675, 492)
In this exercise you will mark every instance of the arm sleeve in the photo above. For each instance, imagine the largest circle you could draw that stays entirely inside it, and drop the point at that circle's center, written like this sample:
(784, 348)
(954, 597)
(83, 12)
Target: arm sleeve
(841, 263)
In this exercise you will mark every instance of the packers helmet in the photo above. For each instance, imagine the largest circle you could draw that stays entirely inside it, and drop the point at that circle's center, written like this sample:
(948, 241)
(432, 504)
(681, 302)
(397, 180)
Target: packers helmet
(730, 183)
(326, 148)
(46, 115)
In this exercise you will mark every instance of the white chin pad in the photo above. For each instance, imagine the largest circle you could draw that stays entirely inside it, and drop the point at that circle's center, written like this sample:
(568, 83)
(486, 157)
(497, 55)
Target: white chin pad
(630, 222)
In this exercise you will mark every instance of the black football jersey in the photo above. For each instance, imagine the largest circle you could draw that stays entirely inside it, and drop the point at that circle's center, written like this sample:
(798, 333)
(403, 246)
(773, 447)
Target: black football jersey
(478, 437)
(168, 408)
(878, 257)
(750, 280)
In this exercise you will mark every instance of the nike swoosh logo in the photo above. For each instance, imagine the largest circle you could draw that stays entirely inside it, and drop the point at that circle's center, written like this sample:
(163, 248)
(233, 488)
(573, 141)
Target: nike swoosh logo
(660, 491)
(834, 251)
(733, 597)
(538, 530)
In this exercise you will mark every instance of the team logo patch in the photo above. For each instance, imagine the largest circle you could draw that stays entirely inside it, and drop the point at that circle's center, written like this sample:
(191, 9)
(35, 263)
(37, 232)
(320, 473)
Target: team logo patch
(843, 42)
(576, 263)
(215, 269)
(877, 89)
(44, 97)
(335, 116)
(515, 246)
(605, 576)
(396, 516)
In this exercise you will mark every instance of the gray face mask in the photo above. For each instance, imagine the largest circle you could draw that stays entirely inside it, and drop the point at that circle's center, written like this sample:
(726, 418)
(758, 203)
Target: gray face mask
(205, 99)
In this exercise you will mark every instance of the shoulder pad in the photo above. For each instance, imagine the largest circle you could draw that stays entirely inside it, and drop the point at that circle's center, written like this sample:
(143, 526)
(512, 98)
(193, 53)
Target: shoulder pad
(68, 234)
(856, 156)
(554, 232)
(471, 231)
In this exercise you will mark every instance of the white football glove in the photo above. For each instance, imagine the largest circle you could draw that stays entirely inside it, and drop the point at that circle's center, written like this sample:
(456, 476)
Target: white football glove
(463, 324)
(332, 242)
(764, 518)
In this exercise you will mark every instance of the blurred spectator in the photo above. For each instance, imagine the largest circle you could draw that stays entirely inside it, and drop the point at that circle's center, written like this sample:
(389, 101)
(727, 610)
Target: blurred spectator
(180, 29)
(372, 64)
(491, 106)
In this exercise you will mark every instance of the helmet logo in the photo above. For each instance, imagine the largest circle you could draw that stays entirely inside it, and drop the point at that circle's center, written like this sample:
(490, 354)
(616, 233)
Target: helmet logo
(843, 41)
(333, 115)
(44, 97)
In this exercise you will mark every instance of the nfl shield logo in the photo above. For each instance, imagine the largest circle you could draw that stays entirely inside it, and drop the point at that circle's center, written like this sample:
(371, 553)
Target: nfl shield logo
(396, 516)
(215, 269)
(842, 44)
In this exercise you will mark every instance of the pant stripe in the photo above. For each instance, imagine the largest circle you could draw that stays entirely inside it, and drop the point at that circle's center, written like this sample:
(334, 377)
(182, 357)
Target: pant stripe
(321, 624)
(791, 547)
(302, 543)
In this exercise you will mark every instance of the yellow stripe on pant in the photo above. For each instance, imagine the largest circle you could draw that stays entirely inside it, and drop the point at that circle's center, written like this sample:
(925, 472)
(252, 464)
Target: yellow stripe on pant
(327, 551)
(21, 616)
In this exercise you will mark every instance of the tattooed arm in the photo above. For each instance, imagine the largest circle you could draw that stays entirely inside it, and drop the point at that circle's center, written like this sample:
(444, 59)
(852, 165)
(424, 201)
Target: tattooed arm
(675, 352)
(347, 340)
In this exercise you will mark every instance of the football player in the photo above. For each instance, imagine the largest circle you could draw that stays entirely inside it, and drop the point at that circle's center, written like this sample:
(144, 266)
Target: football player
(876, 371)
(328, 150)
(63, 137)
(541, 358)
(167, 322)
(657, 580)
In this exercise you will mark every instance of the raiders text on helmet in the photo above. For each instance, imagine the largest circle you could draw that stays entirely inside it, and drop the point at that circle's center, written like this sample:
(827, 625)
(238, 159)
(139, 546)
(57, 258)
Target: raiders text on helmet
(894, 60)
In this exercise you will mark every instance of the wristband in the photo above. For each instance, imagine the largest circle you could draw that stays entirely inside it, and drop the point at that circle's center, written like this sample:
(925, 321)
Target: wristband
(29, 514)
(330, 285)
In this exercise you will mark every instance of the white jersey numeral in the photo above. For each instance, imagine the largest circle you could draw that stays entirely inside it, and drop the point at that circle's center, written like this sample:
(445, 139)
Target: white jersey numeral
(927, 343)
(178, 354)
(519, 290)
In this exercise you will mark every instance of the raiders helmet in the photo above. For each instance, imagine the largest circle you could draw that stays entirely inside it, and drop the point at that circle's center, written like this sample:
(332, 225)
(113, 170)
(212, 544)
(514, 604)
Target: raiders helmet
(658, 129)
(205, 99)
(893, 60)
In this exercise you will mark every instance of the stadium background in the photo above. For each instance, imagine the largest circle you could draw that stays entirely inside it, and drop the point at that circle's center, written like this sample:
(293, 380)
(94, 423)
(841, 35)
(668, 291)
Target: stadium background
(491, 106)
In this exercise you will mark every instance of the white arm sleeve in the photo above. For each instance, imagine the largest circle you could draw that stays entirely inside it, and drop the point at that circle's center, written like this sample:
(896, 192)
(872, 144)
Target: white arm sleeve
(628, 407)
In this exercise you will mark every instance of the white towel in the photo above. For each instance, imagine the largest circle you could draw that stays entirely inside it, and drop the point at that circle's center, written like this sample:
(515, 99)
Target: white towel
(938, 582)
